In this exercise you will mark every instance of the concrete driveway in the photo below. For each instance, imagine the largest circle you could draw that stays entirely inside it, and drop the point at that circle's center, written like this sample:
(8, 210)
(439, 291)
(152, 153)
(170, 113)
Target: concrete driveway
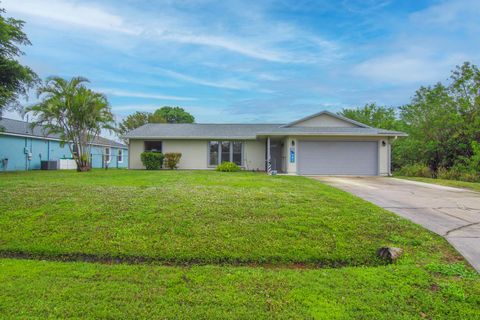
(450, 212)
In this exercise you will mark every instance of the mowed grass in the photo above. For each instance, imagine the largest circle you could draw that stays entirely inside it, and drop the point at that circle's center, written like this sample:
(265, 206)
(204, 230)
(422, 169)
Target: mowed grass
(41, 289)
(475, 186)
(216, 245)
(199, 217)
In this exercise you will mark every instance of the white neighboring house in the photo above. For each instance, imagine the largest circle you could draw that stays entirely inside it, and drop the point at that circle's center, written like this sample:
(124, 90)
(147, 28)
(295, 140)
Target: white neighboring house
(321, 144)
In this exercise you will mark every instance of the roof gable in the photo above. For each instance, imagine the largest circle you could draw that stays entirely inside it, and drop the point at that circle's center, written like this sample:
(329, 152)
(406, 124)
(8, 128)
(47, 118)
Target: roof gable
(326, 119)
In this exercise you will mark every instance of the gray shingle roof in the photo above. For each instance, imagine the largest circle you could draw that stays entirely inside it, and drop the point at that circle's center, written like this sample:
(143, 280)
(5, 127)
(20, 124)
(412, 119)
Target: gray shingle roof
(242, 131)
(23, 128)
(199, 131)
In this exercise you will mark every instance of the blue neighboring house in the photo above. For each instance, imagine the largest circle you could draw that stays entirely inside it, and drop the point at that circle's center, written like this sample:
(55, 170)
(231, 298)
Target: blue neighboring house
(23, 148)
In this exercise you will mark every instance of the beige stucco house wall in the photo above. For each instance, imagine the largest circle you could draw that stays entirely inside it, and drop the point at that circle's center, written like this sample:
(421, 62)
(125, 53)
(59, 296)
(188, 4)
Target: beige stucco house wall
(194, 153)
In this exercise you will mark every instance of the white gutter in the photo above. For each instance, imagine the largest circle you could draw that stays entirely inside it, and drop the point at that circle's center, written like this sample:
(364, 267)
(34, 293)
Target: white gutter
(334, 134)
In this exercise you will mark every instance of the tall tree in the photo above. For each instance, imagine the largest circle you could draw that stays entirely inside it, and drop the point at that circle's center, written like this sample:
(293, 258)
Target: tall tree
(374, 116)
(444, 120)
(432, 124)
(465, 92)
(15, 79)
(73, 111)
(136, 120)
(174, 115)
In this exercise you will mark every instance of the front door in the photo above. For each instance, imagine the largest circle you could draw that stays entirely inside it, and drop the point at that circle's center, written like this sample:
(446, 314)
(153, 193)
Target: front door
(276, 155)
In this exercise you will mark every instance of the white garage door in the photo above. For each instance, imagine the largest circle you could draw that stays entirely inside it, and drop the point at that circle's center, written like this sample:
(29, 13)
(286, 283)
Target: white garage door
(338, 157)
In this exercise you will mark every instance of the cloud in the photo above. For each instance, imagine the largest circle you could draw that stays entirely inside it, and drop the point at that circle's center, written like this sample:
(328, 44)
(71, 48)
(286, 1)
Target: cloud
(230, 44)
(226, 84)
(426, 47)
(72, 13)
(449, 13)
(131, 94)
(262, 40)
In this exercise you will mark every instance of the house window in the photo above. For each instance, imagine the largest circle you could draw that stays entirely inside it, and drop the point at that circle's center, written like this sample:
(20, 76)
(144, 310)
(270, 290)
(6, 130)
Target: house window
(74, 150)
(237, 152)
(107, 154)
(225, 151)
(120, 155)
(153, 146)
(222, 151)
(213, 153)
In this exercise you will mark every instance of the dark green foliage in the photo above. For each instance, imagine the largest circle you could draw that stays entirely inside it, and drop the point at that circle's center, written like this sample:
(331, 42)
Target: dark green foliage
(374, 116)
(136, 120)
(162, 115)
(15, 79)
(152, 160)
(172, 159)
(442, 122)
(228, 167)
(174, 115)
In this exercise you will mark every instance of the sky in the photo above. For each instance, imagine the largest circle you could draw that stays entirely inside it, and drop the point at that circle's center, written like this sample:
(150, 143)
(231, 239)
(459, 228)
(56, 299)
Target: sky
(249, 61)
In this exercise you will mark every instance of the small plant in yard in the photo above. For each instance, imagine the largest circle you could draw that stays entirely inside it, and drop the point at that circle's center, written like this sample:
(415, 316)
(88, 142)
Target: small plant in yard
(228, 167)
(152, 160)
(172, 159)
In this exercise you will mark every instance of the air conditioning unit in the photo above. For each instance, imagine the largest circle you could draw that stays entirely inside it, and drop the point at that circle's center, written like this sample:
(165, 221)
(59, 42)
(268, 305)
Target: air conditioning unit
(49, 165)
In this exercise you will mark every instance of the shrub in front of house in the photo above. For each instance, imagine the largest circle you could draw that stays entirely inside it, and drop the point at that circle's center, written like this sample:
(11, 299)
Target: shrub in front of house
(152, 160)
(459, 172)
(172, 159)
(228, 167)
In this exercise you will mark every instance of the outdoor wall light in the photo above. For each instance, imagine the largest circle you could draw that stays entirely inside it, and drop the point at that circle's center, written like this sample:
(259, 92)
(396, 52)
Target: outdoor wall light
(384, 143)
(293, 143)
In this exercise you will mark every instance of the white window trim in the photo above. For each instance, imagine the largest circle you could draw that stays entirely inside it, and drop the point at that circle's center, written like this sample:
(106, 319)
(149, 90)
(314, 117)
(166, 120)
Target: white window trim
(219, 152)
(108, 154)
(120, 155)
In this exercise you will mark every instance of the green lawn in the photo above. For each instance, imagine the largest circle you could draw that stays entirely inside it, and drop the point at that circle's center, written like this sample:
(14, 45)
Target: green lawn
(475, 186)
(210, 244)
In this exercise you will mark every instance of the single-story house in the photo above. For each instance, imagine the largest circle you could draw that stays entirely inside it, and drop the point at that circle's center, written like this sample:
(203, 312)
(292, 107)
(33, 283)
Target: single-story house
(24, 148)
(321, 144)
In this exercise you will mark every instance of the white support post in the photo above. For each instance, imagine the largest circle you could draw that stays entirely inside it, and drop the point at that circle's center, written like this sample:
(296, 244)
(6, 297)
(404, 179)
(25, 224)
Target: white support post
(269, 160)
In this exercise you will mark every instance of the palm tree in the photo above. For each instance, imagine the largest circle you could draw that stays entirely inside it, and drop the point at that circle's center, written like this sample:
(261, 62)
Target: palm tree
(74, 112)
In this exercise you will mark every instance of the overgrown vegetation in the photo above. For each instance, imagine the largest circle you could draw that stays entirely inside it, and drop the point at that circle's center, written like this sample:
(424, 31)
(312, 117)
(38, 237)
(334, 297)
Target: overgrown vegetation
(228, 166)
(215, 245)
(415, 170)
(152, 160)
(172, 159)
(442, 122)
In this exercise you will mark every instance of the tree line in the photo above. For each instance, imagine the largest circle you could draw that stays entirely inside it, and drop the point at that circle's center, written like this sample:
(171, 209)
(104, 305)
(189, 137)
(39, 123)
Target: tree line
(443, 126)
